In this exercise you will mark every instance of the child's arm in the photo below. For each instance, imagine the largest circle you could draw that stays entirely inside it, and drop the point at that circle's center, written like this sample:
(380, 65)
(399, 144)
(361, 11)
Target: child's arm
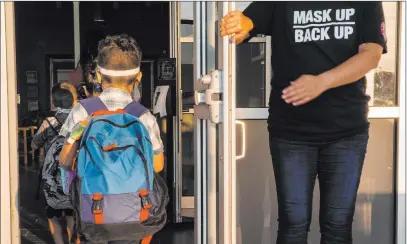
(158, 162)
(38, 139)
(152, 126)
(67, 155)
(70, 148)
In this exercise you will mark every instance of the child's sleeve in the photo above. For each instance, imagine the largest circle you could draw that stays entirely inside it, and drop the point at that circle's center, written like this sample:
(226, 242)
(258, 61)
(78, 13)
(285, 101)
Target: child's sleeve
(77, 114)
(39, 138)
(152, 126)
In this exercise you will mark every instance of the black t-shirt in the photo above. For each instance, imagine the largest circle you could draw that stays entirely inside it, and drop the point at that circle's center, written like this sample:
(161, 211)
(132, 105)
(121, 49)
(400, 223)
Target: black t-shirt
(311, 38)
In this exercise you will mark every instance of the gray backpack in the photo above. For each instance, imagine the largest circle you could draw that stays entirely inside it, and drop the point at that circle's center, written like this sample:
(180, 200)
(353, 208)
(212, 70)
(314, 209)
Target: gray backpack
(51, 177)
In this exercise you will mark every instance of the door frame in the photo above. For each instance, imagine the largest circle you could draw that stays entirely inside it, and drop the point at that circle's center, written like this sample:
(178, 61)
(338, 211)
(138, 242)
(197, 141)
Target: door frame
(9, 175)
(205, 132)
(214, 127)
(188, 202)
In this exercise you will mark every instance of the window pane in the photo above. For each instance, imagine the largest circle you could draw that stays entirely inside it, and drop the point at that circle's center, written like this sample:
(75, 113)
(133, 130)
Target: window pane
(242, 5)
(382, 82)
(187, 130)
(187, 30)
(187, 75)
(187, 12)
(251, 75)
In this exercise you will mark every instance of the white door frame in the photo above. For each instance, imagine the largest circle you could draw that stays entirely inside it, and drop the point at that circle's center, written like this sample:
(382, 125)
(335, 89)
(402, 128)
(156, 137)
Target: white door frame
(227, 135)
(10, 219)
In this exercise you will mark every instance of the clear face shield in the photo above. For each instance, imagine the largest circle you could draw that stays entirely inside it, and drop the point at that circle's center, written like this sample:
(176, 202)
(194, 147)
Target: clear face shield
(118, 73)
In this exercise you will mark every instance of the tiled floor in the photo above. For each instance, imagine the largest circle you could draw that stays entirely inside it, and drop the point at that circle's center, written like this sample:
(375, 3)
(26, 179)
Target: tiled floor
(34, 226)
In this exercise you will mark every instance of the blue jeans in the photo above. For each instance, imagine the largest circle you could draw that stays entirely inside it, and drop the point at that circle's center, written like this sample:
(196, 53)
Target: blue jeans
(338, 166)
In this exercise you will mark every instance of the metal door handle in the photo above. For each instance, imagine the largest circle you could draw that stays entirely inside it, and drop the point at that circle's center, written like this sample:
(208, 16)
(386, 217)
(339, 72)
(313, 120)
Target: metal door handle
(241, 123)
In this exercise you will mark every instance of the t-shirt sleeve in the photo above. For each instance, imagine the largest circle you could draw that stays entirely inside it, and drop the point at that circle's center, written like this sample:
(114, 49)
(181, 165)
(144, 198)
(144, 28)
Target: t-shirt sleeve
(150, 122)
(373, 25)
(38, 139)
(77, 114)
(261, 13)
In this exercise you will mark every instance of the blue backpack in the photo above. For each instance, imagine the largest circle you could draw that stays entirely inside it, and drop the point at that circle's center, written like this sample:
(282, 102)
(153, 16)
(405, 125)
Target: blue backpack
(116, 194)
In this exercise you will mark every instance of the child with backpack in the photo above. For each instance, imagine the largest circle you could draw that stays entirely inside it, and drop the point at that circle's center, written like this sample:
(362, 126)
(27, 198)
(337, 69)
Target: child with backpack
(64, 97)
(114, 146)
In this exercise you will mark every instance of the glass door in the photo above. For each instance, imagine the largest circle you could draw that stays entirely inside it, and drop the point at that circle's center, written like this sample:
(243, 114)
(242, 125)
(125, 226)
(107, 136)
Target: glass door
(224, 101)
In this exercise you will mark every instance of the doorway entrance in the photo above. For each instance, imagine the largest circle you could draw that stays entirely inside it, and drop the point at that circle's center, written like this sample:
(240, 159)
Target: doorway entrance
(218, 145)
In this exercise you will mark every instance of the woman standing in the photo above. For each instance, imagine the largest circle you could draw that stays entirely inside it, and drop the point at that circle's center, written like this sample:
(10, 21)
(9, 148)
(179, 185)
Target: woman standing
(318, 105)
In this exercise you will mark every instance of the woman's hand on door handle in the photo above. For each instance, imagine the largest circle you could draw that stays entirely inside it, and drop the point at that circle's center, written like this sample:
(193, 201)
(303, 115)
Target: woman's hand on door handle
(236, 24)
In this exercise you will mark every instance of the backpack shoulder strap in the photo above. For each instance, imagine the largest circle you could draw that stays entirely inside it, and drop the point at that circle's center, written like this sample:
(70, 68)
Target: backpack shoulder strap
(51, 126)
(93, 104)
(59, 122)
(136, 109)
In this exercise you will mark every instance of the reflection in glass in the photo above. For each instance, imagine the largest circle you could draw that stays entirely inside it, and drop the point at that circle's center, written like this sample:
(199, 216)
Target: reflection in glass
(250, 75)
(242, 5)
(187, 10)
(187, 75)
(186, 13)
(187, 131)
(187, 28)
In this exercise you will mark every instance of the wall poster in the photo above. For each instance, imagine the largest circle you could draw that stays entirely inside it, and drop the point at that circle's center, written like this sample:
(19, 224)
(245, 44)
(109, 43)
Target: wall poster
(32, 77)
(167, 69)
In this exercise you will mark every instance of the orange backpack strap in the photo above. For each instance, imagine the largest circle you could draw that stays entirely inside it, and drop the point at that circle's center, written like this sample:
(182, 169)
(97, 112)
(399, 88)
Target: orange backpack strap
(145, 205)
(106, 112)
(78, 240)
(146, 240)
(97, 208)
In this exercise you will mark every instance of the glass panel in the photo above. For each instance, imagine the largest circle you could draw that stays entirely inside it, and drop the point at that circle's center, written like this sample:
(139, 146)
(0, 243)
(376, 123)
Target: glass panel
(187, 130)
(251, 75)
(187, 75)
(187, 86)
(187, 30)
(257, 214)
(187, 12)
(242, 5)
(382, 82)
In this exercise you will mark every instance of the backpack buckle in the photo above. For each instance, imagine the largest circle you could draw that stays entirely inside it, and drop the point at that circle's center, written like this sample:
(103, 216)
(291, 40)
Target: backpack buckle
(145, 200)
(97, 208)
